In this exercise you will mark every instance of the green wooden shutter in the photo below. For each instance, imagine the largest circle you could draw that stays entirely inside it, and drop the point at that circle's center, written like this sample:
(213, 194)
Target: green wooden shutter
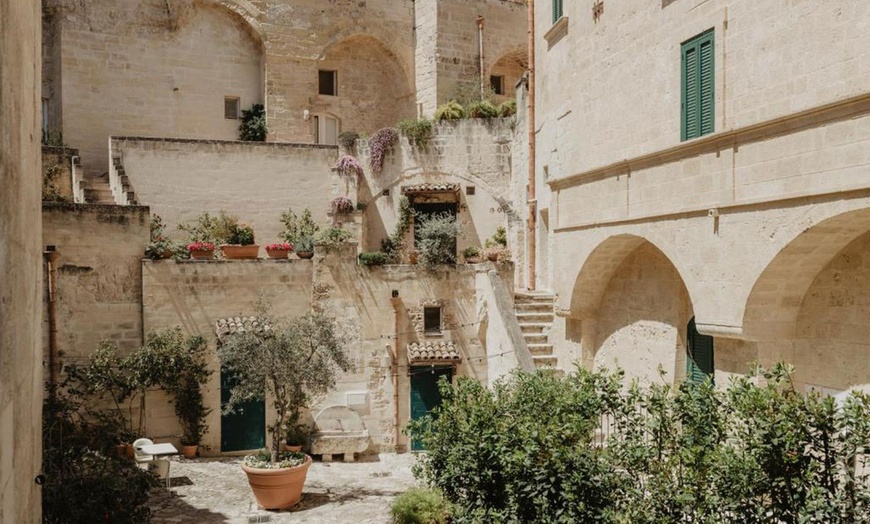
(557, 10)
(698, 70)
(699, 355)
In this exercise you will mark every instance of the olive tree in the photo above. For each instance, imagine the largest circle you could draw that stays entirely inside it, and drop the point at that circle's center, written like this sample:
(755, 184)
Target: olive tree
(290, 361)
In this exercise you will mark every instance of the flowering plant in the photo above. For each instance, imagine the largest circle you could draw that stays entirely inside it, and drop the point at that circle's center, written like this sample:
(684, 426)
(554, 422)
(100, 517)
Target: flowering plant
(341, 204)
(380, 144)
(200, 246)
(348, 167)
(284, 246)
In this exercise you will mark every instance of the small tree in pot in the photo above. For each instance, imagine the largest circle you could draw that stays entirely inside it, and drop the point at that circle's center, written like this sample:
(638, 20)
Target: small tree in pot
(293, 361)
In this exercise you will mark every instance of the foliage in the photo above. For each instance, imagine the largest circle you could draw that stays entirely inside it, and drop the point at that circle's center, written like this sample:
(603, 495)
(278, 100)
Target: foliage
(420, 506)
(283, 246)
(341, 205)
(349, 167)
(297, 228)
(305, 245)
(602, 452)
(379, 145)
(290, 362)
(160, 245)
(253, 125)
(333, 237)
(347, 139)
(373, 258)
(452, 110)
(437, 239)
(241, 234)
(361, 206)
(483, 109)
(507, 108)
(53, 138)
(471, 252)
(418, 131)
(498, 239)
(467, 93)
(217, 230)
(200, 246)
(263, 460)
(50, 189)
(394, 244)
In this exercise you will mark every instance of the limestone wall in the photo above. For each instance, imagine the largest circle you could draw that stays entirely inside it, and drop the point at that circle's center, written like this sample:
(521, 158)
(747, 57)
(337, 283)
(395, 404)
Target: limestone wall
(20, 258)
(62, 158)
(179, 179)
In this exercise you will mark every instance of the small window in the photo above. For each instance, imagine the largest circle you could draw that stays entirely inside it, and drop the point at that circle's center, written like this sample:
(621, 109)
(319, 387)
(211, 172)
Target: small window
(469, 190)
(432, 320)
(326, 130)
(496, 83)
(231, 107)
(697, 87)
(327, 82)
(557, 10)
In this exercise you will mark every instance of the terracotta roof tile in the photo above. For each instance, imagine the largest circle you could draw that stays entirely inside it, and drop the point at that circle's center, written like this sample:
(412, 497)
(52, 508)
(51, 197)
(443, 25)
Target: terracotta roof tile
(430, 188)
(227, 326)
(433, 351)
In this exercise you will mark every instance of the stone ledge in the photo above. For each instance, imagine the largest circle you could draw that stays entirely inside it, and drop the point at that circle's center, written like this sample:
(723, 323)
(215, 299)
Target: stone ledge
(197, 141)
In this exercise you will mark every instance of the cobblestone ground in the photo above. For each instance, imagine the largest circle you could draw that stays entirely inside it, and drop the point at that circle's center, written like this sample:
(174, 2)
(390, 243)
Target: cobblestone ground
(216, 490)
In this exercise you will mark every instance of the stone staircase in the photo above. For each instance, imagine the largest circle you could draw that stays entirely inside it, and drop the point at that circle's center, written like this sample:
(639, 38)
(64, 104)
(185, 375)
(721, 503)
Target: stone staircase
(535, 312)
(98, 190)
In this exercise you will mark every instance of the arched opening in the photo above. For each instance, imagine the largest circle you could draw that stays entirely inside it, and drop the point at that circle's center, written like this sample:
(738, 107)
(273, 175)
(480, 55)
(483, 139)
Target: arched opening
(506, 72)
(811, 305)
(633, 308)
(363, 83)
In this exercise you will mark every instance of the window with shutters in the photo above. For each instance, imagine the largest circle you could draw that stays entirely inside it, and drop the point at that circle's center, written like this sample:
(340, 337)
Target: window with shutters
(557, 10)
(231, 107)
(697, 86)
(699, 355)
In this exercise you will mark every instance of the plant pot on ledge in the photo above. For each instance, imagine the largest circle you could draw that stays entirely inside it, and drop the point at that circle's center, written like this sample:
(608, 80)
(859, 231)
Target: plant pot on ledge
(278, 488)
(279, 251)
(201, 250)
(239, 252)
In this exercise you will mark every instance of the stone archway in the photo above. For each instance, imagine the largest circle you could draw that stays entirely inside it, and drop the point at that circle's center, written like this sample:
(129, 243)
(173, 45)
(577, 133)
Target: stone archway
(509, 68)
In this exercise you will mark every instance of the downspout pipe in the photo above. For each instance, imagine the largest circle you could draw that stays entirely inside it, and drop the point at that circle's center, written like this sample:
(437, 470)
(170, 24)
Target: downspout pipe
(395, 370)
(51, 255)
(532, 199)
(482, 70)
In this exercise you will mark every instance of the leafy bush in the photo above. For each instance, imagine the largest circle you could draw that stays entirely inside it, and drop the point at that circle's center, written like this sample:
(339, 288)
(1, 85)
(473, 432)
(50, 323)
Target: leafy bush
(304, 245)
(253, 125)
(373, 258)
(241, 234)
(160, 245)
(471, 252)
(437, 239)
(217, 230)
(50, 189)
(498, 239)
(297, 228)
(601, 452)
(417, 130)
(333, 237)
(53, 138)
(483, 109)
(347, 139)
(420, 506)
(452, 110)
(379, 145)
(508, 108)
(394, 244)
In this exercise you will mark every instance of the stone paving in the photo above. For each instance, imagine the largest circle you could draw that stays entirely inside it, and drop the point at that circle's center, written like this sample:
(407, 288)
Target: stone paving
(216, 490)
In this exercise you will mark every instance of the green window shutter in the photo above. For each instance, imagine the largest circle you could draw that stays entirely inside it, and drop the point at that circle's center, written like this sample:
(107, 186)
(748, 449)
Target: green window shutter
(699, 355)
(697, 113)
(557, 10)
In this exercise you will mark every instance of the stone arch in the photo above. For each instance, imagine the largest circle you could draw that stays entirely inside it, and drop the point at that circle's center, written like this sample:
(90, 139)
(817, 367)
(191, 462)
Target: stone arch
(512, 66)
(774, 302)
(631, 307)
(245, 12)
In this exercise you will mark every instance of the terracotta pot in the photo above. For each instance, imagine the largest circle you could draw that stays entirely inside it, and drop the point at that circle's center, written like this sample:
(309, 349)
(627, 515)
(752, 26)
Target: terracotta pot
(278, 488)
(237, 252)
(492, 256)
(130, 451)
(165, 255)
(290, 447)
(305, 254)
(202, 254)
(472, 260)
(277, 253)
(189, 451)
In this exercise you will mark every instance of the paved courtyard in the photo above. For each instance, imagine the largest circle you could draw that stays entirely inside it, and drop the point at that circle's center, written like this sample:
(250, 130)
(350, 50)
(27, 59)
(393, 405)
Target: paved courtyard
(216, 490)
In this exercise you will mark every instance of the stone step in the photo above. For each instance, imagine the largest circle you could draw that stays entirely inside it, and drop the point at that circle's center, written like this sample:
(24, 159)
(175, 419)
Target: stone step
(536, 338)
(534, 299)
(541, 350)
(530, 328)
(534, 306)
(535, 317)
(545, 361)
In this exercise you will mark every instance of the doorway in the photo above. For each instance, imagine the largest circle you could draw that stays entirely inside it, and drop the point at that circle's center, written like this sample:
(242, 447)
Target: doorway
(424, 393)
(245, 429)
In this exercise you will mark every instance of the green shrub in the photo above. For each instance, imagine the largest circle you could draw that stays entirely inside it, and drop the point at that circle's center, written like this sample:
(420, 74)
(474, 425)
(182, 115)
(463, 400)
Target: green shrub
(483, 109)
(304, 245)
(373, 258)
(417, 130)
(253, 125)
(452, 110)
(508, 108)
(347, 139)
(218, 229)
(420, 506)
(498, 239)
(437, 239)
(333, 237)
(471, 251)
(242, 235)
(297, 227)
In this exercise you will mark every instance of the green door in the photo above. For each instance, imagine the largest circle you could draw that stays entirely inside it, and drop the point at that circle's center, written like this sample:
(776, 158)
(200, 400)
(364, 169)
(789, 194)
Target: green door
(246, 428)
(424, 392)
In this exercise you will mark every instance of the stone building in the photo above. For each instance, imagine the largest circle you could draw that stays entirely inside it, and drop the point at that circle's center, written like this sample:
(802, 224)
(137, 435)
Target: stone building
(704, 186)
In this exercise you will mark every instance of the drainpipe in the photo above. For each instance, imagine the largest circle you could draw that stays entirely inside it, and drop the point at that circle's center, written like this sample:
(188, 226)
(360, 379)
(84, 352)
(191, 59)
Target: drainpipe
(482, 71)
(532, 202)
(395, 369)
(51, 255)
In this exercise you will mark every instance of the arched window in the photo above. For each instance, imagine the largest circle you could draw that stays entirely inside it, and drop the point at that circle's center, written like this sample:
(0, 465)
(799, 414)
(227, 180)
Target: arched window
(699, 355)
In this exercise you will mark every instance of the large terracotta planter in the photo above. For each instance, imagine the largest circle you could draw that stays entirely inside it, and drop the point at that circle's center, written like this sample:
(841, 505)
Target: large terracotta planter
(237, 252)
(278, 488)
(189, 451)
(202, 254)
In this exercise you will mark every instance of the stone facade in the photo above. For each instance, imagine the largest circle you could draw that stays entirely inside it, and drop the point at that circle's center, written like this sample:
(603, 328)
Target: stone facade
(745, 228)
(21, 384)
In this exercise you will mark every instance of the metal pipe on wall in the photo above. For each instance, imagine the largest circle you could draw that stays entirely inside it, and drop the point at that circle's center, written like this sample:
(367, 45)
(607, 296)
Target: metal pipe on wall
(51, 255)
(395, 371)
(482, 70)
(532, 201)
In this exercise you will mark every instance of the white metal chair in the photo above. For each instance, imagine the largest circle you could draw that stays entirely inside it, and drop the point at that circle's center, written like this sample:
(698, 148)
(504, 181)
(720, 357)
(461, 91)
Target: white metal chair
(157, 466)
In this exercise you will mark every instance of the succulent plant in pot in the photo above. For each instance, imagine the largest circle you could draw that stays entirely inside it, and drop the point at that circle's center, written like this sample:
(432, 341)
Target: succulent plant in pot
(305, 247)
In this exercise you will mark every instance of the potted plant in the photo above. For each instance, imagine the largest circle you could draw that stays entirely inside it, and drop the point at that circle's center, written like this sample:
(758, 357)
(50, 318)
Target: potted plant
(160, 246)
(437, 239)
(471, 254)
(496, 246)
(288, 362)
(305, 247)
(281, 250)
(201, 250)
(299, 231)
(240, 244)
(295, 436)
(341, 205)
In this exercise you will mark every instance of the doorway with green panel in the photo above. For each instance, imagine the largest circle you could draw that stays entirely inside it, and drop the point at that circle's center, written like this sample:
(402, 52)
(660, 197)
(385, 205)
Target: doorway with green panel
(424, 393)
(244, 429)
